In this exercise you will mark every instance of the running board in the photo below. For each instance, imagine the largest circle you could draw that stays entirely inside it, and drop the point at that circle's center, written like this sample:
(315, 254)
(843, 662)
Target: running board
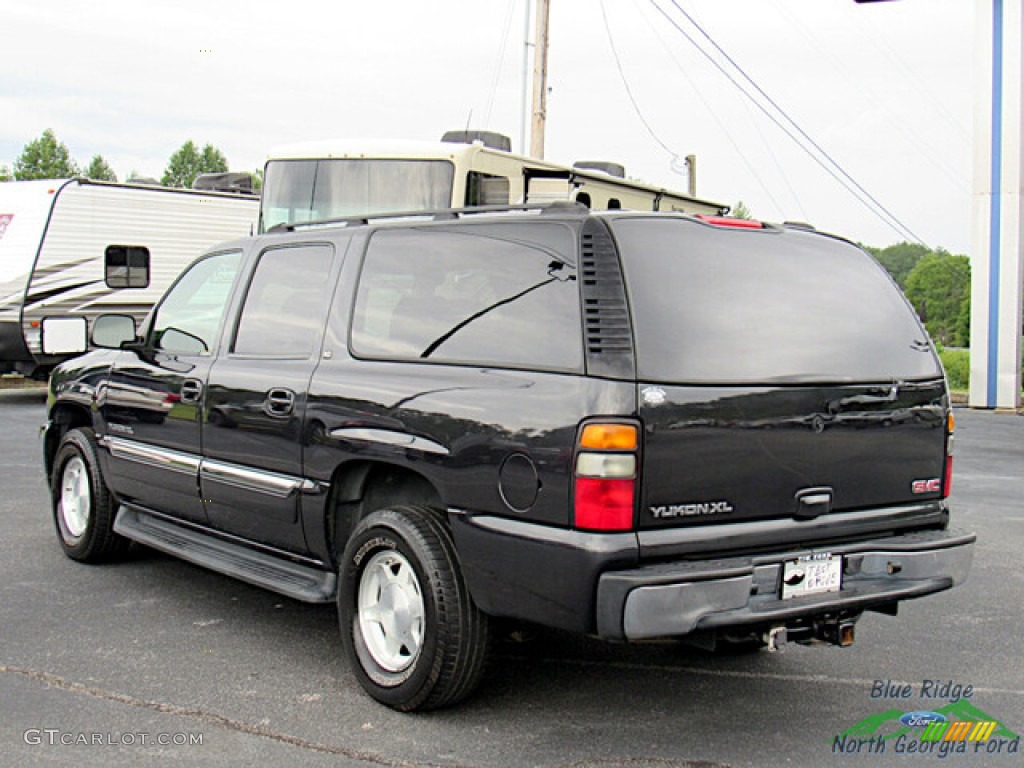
(310, 585)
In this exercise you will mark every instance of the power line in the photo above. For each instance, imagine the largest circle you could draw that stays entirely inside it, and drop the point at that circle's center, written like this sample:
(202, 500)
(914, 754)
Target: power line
(498, 65)
(893, 221)
(877, 38)
(714, 115)
(844, 178)
(775, 161)
(629, 91)
(647, 125)
(916, 140)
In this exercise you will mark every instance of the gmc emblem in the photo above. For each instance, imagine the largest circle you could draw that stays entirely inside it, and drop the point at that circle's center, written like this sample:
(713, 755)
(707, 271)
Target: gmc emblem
(927, 486)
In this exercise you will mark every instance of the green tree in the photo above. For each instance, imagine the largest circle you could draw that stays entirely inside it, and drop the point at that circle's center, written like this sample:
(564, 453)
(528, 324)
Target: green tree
(900, 259)
(188, 162)
(963, 321)
(45, 158)
(100, 170)
(740, 211)
(939, 286)
(5, 173)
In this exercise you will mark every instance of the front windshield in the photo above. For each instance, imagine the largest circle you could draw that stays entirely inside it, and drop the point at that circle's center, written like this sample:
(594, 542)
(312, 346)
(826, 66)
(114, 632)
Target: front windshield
(315, 190)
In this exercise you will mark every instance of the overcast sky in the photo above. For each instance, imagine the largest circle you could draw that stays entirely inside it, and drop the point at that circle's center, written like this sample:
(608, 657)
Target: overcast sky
(884, 88)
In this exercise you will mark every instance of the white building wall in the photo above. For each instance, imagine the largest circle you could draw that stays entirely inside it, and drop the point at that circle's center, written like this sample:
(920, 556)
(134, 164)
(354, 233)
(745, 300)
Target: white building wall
(997, 263)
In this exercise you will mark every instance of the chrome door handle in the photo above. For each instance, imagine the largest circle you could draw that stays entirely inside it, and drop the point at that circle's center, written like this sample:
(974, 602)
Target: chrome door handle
(280, 402)
(191, 391)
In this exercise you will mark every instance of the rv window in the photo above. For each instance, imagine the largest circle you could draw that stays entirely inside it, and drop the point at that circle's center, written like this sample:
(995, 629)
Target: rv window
(126, 266)
(485, 189)
(318, 190)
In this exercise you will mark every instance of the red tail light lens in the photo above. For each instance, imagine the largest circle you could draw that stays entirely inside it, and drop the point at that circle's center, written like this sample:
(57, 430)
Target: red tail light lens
(604, 505)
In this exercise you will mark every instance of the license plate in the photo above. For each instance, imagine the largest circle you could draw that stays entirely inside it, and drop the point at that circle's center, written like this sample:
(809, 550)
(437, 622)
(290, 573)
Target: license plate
(812, 575)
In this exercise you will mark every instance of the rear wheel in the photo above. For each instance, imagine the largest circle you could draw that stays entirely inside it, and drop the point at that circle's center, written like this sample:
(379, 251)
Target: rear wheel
(83, 508)
(412, 633)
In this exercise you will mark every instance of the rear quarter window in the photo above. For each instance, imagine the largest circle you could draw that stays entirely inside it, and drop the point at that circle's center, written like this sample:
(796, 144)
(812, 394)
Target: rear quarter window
(714, 305)
(481, 295)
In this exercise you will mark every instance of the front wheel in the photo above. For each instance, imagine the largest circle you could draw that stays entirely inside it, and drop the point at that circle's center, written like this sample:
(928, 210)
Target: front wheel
(413, 635)
(83, 508)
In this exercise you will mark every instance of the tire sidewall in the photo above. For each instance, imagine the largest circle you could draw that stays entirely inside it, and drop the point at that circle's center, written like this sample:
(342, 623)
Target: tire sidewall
(76, 444)
(380, 532)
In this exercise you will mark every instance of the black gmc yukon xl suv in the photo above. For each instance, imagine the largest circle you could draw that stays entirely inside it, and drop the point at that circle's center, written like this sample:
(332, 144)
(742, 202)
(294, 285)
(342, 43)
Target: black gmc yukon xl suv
(630, 425)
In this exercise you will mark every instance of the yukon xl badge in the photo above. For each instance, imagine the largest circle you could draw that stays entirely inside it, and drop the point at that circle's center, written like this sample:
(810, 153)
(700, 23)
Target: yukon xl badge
(691, 510)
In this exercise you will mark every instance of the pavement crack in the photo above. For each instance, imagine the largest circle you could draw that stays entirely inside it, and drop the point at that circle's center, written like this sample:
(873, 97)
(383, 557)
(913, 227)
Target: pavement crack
(214, 719)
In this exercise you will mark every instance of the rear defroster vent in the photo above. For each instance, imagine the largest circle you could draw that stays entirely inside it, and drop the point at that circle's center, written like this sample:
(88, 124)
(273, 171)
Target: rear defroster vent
(606, 320)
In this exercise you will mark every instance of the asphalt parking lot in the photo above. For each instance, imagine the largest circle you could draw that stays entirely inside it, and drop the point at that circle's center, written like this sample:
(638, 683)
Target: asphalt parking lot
(154, 660)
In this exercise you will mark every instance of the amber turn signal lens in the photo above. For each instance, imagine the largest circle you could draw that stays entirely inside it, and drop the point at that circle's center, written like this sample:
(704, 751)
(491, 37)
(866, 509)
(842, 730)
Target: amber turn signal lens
(609, 437)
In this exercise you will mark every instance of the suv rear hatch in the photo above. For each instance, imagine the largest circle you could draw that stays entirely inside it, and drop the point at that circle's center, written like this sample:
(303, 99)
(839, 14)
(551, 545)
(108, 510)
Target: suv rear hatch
(781, 374)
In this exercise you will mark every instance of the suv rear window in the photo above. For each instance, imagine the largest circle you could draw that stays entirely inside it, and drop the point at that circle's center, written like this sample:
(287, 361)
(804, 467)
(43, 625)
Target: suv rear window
(729, 306)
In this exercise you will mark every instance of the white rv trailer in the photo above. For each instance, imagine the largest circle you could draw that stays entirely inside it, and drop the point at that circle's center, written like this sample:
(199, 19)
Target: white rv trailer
(71, 249)
(318, 181)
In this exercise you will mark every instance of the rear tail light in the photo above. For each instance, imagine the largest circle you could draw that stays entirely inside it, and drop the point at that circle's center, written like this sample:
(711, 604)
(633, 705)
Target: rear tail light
(947, 480)
(604, 487)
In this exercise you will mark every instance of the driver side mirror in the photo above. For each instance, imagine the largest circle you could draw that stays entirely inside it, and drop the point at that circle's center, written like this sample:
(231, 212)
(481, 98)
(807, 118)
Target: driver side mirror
(111, 331)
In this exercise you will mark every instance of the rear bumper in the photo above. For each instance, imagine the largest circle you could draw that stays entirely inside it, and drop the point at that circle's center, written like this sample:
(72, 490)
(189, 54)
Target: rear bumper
(673, 599)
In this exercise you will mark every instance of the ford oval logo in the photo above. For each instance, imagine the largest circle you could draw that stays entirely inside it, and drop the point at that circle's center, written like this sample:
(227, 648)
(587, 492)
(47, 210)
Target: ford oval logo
(922, 718)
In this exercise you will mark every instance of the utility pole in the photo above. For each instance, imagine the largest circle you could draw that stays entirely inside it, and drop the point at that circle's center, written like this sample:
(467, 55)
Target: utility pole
(540, 80)
(524, 90)
(691, 175)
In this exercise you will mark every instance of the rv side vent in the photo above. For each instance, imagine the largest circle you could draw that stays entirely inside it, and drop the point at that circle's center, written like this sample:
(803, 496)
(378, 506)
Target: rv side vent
(233, 181)
(490, 139)
(607, 328)
(612, 169)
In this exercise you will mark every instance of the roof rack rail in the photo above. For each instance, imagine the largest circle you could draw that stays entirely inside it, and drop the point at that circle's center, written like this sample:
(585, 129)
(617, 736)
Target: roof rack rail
(437, 214)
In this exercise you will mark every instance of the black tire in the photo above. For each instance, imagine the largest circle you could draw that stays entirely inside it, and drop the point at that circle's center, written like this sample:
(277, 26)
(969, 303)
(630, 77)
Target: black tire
(83, 507)
(428, 645)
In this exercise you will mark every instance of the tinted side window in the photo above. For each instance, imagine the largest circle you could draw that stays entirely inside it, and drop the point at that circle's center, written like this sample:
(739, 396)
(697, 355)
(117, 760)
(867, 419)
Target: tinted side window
(286, 302)
(189, 316)
(126, 266)
(489, 295)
